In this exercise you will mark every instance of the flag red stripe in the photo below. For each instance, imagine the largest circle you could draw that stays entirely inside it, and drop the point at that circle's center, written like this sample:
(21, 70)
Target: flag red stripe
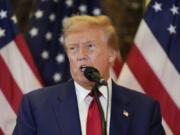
(9, 87)
(140, 68)
(1, 132)
(117, 66)
(22, 46)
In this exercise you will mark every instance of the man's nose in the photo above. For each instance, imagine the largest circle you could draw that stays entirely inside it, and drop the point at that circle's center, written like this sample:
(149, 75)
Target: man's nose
(82, 54)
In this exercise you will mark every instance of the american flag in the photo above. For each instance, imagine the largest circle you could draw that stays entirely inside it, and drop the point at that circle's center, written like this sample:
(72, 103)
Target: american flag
(153, 64)
(45, 38)
(18, 74)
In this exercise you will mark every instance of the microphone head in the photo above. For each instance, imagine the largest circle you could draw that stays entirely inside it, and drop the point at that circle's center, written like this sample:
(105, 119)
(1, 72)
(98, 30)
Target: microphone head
(89, 71)
(92, 74)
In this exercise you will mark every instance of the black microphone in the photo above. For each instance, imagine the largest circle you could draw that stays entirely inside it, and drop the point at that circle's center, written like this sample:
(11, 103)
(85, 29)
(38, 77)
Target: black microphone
(92, 74)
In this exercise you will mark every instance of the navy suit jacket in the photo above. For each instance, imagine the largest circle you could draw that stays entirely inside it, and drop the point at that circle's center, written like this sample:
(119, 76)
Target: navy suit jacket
(54, 111)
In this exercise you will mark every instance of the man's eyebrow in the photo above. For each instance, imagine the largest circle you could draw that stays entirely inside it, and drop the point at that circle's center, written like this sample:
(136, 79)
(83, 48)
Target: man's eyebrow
(74, 43)
(91, 41)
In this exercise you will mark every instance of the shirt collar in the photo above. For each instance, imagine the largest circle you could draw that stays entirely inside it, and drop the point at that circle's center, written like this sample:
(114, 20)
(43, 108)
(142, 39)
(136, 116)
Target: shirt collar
(82, 92)
(103, 89)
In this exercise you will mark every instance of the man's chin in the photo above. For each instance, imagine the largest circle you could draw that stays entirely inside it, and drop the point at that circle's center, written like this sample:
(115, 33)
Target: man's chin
(86, 83)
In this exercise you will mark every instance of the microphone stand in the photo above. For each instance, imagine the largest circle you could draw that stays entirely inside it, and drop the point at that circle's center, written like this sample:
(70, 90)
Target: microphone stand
(103, 121)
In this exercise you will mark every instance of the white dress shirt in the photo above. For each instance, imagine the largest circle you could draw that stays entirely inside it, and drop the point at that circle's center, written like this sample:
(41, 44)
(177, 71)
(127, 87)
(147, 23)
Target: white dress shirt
(84, 101)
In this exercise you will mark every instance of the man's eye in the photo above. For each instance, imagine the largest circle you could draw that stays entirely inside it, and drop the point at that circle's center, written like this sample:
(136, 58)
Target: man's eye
(73, 48)
(90, 46)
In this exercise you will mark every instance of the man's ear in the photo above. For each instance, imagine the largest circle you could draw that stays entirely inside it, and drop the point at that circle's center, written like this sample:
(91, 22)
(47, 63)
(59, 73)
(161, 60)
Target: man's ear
(112, 55)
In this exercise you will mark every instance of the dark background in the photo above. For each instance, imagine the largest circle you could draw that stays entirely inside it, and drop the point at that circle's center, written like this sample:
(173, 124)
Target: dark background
(125, 15)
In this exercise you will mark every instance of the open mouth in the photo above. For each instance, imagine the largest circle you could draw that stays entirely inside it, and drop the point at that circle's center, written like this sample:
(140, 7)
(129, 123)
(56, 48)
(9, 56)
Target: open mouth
(82, 68)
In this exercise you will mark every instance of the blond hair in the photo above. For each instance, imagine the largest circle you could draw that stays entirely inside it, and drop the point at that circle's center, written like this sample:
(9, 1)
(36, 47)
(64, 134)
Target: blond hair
(79, 22)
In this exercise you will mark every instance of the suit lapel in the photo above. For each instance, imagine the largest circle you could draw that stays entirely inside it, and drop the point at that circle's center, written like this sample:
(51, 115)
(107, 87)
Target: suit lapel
(121, 112)
(66, 110)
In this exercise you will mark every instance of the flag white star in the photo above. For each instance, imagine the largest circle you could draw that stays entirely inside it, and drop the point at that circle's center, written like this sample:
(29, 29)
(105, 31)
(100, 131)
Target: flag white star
(45, 54)
(60, 58)
(157, 6)
(39, 14)
(57, 77)
(96, 11)
(14, 19)
(69, 3)
(33, 32)
(48, 36)
(3, 14)
(174, 10)
(83, 8)
(172, 29)
(61, 39)
(64, 19)
(2, 32)
(52, 17)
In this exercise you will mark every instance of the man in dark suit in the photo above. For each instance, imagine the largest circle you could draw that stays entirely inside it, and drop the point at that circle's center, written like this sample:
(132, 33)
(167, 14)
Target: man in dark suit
(63, 109)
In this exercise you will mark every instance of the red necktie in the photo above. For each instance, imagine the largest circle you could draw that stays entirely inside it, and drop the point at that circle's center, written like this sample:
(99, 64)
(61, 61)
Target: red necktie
(93, 126)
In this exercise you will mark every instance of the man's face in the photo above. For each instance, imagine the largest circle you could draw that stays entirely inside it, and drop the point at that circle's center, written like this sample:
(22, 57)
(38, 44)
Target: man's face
(87, 48)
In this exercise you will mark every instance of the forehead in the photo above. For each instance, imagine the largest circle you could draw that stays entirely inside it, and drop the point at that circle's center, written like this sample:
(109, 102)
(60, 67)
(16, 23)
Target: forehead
(91, 34)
